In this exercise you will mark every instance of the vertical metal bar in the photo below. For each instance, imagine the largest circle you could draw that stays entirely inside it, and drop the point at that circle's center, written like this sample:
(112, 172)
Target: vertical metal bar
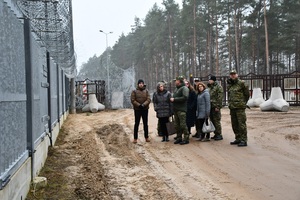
(62, 92)
(49, 96)
(57, 80)
(72, 97)
(29, 92)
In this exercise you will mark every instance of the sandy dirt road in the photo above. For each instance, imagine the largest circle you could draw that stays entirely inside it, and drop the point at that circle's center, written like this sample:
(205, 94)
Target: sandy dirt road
(103, 163)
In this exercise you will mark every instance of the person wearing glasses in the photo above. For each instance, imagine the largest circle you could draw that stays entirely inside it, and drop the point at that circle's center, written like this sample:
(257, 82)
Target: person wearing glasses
(203, 110)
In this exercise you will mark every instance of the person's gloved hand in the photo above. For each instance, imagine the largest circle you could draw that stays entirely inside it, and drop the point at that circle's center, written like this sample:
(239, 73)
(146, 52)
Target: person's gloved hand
(229, 81)
(141, 106)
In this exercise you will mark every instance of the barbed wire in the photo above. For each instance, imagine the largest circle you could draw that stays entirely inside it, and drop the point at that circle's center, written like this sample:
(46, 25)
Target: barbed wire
(51, 22)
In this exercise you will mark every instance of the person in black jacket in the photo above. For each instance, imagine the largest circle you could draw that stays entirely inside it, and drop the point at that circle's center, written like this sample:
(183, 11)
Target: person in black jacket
(163, 108)
(191, 107)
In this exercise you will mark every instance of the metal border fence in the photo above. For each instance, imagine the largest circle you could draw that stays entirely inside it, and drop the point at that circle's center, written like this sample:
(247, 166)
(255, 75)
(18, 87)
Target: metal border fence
(289, 84)
(34, 93)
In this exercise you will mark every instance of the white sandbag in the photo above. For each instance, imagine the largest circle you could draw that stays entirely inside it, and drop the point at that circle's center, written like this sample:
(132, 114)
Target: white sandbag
(267, 105)
(101, 106)
(93, 105)
(250, 103)
(281, 105)
(86, 108)
(276, 102)
(257, 98)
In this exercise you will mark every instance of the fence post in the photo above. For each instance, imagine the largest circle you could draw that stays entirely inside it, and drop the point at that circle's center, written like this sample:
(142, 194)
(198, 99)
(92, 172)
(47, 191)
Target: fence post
(29, 92)
(49, 96)
(72, 96)
(57, 88)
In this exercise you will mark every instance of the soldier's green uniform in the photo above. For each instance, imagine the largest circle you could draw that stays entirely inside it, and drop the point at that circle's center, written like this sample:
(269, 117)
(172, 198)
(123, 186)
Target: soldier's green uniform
(216, 97)
(238, 95)
(180, 96)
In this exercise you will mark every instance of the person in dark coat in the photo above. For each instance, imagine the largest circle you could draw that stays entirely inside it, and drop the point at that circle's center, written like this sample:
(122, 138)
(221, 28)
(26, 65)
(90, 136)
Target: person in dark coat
(140, 100)
(203, 110)
(191, 107)
(163, 108)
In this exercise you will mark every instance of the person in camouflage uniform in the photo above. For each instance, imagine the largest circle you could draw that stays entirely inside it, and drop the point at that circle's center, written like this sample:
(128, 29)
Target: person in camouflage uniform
(238, 95)
(179, 100)
(216, 97)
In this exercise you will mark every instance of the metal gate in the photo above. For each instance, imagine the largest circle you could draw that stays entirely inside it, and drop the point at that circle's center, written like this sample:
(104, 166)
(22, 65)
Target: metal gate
(289, 84)
(85, 88)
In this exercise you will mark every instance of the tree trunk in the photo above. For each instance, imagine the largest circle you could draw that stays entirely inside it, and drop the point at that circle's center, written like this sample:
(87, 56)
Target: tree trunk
(267, 39)
(297, 57)
(217, 48)
(194, 41)
(171, 49)
(253, 51)
(229, 37)
(259, 70)
(236, 32)
(207, 50)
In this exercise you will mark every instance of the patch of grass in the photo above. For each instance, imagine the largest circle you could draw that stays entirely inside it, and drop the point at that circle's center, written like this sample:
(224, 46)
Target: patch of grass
(57, 183)
(88, 114)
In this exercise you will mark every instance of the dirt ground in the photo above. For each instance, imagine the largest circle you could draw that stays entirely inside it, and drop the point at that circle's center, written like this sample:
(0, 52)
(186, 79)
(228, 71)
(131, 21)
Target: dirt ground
(94, 158)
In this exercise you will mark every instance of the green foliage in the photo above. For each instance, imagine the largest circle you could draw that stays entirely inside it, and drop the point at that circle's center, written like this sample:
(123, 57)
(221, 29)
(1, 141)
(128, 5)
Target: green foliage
(168, 32)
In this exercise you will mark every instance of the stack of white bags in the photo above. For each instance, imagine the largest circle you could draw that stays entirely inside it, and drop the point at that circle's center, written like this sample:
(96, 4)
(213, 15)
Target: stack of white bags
(274, 103)
(93, 105)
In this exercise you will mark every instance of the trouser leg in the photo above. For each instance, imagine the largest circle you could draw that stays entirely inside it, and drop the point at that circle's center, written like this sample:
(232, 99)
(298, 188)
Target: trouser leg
(215, 117)
(137, 118)
(199, 125)
(145, 122)
(241, 119)
(235, 123)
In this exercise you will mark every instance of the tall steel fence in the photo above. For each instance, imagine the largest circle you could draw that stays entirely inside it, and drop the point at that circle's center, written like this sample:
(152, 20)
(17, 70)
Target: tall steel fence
(289, 84)
(34, 90)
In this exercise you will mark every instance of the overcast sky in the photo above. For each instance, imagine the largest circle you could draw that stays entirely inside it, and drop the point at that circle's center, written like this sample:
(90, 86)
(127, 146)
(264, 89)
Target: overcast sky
(90, 16)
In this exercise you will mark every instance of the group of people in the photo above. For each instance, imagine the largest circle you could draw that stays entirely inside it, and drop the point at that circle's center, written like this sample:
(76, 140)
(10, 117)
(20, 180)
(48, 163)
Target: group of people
(193, 106)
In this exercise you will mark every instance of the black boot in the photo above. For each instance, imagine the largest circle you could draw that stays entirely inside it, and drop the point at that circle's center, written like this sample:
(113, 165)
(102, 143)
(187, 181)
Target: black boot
(202, 136)
(167, 138)
(164, 139)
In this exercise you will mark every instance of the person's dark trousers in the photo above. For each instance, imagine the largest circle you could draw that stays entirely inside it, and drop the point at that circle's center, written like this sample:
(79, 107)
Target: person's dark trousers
(137, 115)
(162, 122)
(199, 125)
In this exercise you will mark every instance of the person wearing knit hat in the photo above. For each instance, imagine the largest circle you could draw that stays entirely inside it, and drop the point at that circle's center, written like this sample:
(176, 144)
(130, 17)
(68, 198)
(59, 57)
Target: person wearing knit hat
(140, 100)
(216, 99)
(213, 78)
(140, 81)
